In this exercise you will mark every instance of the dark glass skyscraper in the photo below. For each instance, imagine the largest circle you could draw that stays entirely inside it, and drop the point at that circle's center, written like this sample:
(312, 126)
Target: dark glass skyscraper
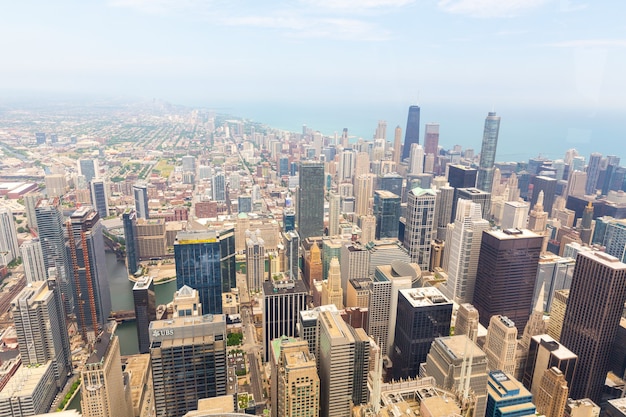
(505, 279)
(488, 152)
(140, 192)
(594, 307)
(197, 257)
(593, 172)
(145, 310)
(310, 206)
(99, 197)
(412, 132)
(387, 213)
(129, 220)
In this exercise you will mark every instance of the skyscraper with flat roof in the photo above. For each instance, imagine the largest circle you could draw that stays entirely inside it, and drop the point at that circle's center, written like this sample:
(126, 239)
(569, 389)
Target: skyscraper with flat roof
(507, 397)
(197, 258)
(100, 197)
(545, 352)
(501, 343)
(426, 315)
(431, 138)
(420, 225)
(129, 221)
(144, 299)
(310, 207)
(505, 278)
(412, 132)
(188, 356)
(9, 248)
(282, 303)
(593, 172)
(594, 307)
(40, 326)
(51, 235)
(32, 257)
(488, 152)
(88, 168)
(89, 272)
(387, 213)
(140, 193)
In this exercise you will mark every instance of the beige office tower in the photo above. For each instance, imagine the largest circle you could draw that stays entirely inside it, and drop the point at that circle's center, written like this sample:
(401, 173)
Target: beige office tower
(334, 213)
(362, 164)
(295, 385)
(364, 193)
(552, 395)
(557, 314)
(467, 321)
(368, 228)
(104, 392)
(358, 293)
(142, 393)
(576, 184)
(397, 145)
(501, 344)
(513, 187)
(343, 365)
(459, 365)
(538, 218)
(332, 293)
(255, 262)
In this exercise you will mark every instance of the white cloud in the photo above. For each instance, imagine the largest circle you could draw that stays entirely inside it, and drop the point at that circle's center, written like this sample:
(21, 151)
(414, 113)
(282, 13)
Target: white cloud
(490, 8)
(159, 6)
(357, 4)
(590, 43)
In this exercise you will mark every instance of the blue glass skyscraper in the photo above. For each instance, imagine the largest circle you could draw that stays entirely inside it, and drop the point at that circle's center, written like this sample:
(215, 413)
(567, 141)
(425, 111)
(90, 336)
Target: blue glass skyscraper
(488, 152)
(412, 132)
(197, 257)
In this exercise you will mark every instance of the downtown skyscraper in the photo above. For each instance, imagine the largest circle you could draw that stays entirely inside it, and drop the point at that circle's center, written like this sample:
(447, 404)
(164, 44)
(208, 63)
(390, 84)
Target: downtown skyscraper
(420, 225)
(488, 152)
(88, 271)
(51, 235)
(310, 207)
(594, 307)
(412, 132)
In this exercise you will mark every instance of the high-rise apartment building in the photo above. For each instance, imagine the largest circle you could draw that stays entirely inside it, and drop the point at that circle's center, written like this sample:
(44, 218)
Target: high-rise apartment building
(354, 259)
(310, 207)
(129, 221)
(144, 300)
(218, 187)
(387, 213)
(188, 357)
(419, 230)
(416, 159)
(88, 271)
(488, 152)
(594, 307)
(140, 193)
(462, 251)
(9, 248)
(104, 387)
(51, 235)
(100, 197)
(32, 257)
(363, 192)
(282, 303)
(198, 264)
(41, 331)
(295, 385)
(501, 343)
(505, 279)
(426, 315)
(412, 132)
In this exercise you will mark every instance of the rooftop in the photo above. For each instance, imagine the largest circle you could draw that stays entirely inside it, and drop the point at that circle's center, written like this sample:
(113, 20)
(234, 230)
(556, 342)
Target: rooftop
(425, 296)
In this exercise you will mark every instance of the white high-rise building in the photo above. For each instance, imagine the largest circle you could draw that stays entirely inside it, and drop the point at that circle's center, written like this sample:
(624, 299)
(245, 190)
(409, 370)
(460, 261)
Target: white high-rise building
(334, 213)
(417, 159)
(32, 257)
(347, 161)
(9, 248)
(462, 250)
(420, 228)
(515, 215)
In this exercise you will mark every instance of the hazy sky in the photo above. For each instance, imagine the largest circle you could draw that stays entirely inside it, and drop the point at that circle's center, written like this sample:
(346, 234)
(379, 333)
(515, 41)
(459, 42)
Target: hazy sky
(567, 53)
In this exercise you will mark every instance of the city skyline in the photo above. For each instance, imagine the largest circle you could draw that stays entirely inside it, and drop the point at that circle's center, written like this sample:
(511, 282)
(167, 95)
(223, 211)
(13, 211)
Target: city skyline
(525, 60)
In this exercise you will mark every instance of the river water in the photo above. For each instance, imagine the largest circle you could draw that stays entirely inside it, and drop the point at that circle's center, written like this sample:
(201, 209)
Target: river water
(122, 299)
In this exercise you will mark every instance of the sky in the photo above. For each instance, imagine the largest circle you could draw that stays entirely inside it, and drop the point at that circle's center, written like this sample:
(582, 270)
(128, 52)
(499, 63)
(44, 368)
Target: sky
(250, 55)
